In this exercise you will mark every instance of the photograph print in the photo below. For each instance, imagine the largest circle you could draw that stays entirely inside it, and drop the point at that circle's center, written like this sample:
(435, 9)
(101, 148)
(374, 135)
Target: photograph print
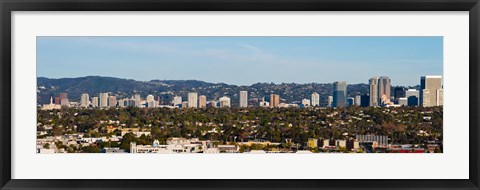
(239, 94)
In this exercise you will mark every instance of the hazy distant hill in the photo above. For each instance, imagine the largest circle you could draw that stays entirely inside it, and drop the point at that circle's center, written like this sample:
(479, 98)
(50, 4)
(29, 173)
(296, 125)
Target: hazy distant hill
(166, 89)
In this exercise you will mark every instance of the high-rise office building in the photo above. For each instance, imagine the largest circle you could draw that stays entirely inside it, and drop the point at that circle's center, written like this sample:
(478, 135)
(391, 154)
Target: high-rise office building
(430, 86)
(84, 100)
(365, 100)
(243, 99)
(202, 101)
(339, 94)
(358, 99)
(439, 97)
(112, 101)
(103, 100)
(121, 103)
(177, 101)
(330, 101)
(63, 97)
(379, 90)
(315, 99)
(192, 100)
(224, 102)
(150, 98)
(274, 100)
(95, 102)
(350, 101)
(384, 85)
(57, 100)
(413, 97)
(399, 92)
(373, 91)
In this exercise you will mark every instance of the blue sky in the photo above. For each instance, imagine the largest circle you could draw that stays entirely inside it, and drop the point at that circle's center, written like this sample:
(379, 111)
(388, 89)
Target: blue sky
(243, 60)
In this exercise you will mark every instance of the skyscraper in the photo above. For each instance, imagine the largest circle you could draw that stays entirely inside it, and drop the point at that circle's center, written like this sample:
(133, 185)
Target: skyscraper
(84, 100)
(315, 99)
(121, 103)
(358, 100)
(330, 101)
(439, 97)
(192, 100)
(412, 96)
(202, 101)
(64, 97)
(95, 102)
(431, 92)
(243, 99)
(373, 91)
(384, 85)
(339, 94)
(177, 100)
(398, 92)
(350, 101)
(224, 102)
(365, 100)
(274, 100)
(103, 100)
(150, 98)
(112, 101)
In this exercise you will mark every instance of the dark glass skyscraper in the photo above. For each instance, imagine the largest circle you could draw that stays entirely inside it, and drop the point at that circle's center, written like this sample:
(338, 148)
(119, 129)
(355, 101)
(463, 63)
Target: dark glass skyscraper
(339, 94)
(365, 100)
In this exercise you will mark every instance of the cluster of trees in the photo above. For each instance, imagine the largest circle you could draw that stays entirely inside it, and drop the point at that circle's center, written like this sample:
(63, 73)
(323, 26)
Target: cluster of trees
(401, 125)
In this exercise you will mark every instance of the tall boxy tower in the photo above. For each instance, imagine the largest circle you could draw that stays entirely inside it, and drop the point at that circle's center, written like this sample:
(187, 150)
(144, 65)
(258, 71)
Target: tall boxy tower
(374, 91)
(339, 94)
(243, 99)
(192, 100)
(431, 91)
(384, 85)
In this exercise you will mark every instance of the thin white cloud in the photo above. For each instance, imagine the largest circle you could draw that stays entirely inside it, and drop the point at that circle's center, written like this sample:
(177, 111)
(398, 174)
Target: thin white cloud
(251, 47)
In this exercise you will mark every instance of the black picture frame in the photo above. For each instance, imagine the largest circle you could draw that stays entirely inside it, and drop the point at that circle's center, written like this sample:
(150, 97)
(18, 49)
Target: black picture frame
(7, 6)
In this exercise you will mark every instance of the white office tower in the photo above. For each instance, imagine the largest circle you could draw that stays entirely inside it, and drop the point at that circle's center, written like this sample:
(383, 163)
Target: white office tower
(374, 91)
(121, 103)
(84, 100)
(306, 102)
(243, 99)
(150, 98)
(95, 102)
(358, 100)
(177, 100)
(315, 99)
(439, 97)
(202, 101)
(151, 104)
(330, 101)
(224, 102)
(192, 100)
(431, 93)
(112, 101)
(103, 100)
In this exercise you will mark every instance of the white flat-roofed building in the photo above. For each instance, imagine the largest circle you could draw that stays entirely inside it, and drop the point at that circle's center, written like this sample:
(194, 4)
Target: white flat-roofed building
(84, 100)
(192, 100)
(315, 99)
(243, 99)
(224, 102)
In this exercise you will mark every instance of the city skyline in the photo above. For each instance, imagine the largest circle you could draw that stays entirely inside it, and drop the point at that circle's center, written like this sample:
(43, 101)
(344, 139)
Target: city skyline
(243, 60)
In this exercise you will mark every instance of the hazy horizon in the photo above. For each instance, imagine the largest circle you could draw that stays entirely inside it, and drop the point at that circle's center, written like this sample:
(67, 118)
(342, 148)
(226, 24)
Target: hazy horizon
(243, 61)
